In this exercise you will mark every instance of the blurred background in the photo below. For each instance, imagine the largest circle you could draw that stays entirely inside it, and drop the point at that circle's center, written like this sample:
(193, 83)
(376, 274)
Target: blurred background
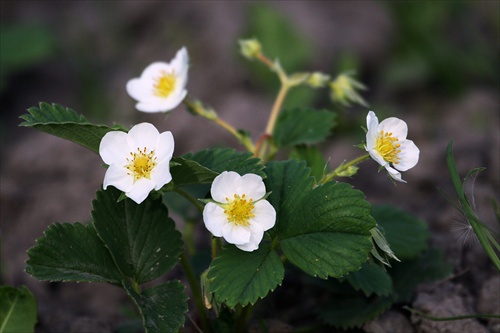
(434, 64)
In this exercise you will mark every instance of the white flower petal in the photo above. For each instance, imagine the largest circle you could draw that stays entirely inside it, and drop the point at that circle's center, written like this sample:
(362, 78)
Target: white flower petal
(255, 238)
(248, 247)
(214, 218)
(252, 186)
(143, 89)
(154, 71)
(377, 157)
(372, 130)
(114, 148)
(164, 147)
(224, 186)
(181, 61)
(396, 126)
(265, 215)
(142, 135)
(140, 190)
(138, 89)
(408, 156)
(118, 177)
(235, 234)
(160, 175)
(396, 175)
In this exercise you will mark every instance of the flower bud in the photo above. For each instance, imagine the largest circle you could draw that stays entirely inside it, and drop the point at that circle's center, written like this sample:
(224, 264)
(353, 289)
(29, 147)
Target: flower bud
(345, 90)
(250, 48)
(318, 80)
(349, 172)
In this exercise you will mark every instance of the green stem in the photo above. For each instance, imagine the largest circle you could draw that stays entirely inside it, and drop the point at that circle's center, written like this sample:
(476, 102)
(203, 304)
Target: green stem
(476, 224)
(243, 318)
(343, 167)
(215, 246)
(186, 195)
(211, 115)
(263, 143)
(271, 123)
(196, 290)
(449, 318)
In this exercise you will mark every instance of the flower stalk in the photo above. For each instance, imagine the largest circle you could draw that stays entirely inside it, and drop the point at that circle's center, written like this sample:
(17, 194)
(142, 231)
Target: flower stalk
(343, 168)
(196, 290)
(197, 108)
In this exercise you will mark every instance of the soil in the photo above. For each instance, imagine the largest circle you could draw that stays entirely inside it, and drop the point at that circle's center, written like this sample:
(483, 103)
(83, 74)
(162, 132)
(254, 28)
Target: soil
(100, 45)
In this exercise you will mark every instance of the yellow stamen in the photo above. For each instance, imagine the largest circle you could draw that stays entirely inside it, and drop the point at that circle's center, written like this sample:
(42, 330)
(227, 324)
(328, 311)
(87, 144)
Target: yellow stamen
(239, 210)
(141, 163)
(387, 147)
(165, 84)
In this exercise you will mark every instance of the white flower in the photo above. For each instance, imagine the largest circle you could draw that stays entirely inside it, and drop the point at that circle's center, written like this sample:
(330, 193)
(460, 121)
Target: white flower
(139, 161)
(161, 86)
(387, 145)
(239, 212)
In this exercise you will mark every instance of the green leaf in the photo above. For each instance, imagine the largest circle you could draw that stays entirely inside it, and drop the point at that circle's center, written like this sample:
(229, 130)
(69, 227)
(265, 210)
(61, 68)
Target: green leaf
(141, 238)
(226, 159)
(408, 274)
(300, 126)
(190, 172)
(71, 252)
(371, 279)
(67, 124)
(162, 307)
(239, 277)
(313, 157)
(324, 231)
(487, 241)
(18, 309)
(289, 183)
(406, 235)
(353, 310)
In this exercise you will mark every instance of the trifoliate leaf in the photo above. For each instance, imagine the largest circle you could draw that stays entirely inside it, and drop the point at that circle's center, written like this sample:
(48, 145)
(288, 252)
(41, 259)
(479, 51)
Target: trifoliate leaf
(18, 309)
(371, 279)
(300, 126)
(162, 307)
(189, 172)
(67, 124)
(289, 183)
(71, 252)
(324, 231)
(407, 236)
(226, 159)
(313, 157)
(239, 277)
(141, 238)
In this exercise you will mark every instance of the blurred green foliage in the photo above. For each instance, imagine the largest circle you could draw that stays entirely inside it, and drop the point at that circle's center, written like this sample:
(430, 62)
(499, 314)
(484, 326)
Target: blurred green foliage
(281, 41)
(23, 46)
(443, 45)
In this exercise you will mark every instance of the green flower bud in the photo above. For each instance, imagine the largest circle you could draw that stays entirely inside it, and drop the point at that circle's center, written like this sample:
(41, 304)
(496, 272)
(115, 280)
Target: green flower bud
(345, 90)
(250, 48)
(349, 172)
(318, 80)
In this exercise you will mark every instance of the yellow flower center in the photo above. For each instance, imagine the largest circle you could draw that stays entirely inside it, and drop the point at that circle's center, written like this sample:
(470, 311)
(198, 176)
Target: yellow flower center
(164, 84)
(141, 163)
(239, 210)
(387, 147)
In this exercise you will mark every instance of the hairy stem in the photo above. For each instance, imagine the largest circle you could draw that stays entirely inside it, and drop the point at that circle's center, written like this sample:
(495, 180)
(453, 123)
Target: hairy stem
(196, 290)
(343, 167)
